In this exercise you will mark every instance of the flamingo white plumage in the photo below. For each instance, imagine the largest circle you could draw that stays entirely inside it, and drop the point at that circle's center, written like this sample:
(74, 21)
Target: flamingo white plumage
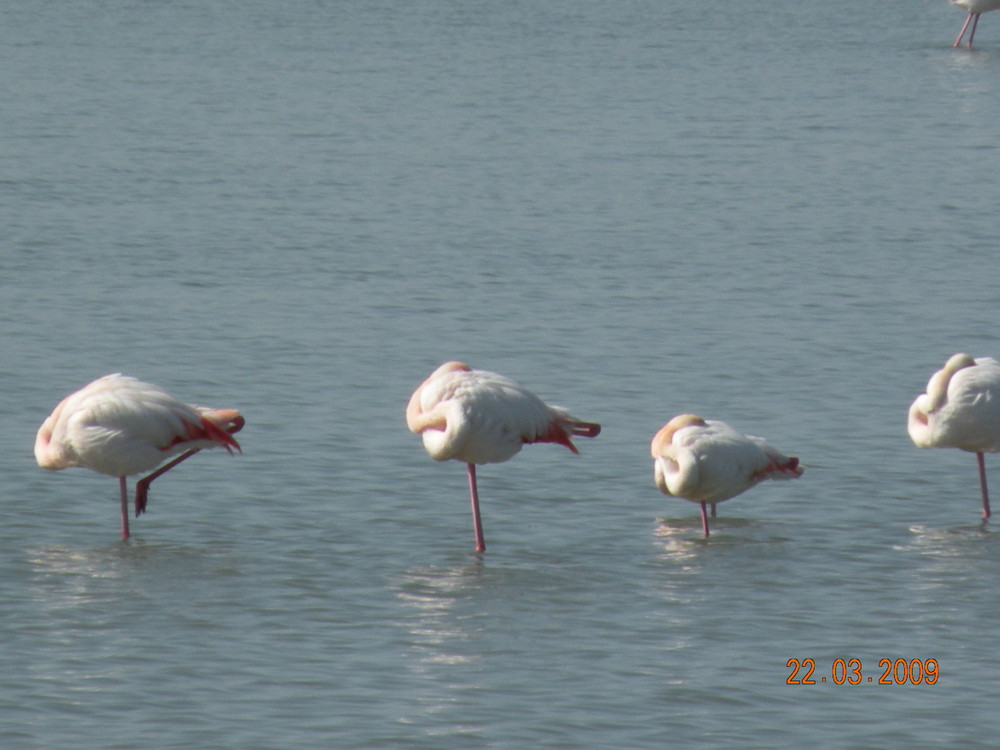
(961, 409)
(974, 8)
(121, 426)
(707, 461)
(480, 417)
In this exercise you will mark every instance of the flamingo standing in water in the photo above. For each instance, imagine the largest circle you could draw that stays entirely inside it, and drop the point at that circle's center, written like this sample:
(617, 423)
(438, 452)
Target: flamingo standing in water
(975, 9)
(707, 461)
(121, 426)
(480, 417)
(961, 409)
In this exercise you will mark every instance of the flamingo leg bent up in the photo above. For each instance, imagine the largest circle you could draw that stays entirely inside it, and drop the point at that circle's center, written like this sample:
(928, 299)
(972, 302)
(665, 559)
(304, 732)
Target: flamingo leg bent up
(142, 485)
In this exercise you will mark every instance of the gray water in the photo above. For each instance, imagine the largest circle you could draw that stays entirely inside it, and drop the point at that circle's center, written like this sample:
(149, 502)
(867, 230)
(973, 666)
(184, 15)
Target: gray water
(778, 214)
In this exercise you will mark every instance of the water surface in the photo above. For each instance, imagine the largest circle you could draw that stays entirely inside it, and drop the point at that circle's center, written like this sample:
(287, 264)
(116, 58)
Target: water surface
(769, 213)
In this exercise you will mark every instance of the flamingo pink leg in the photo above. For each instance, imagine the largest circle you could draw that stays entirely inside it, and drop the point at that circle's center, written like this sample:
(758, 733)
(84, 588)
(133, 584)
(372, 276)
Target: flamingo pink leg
(958, 39)
(974, 18)
(704, 520)
(124, 490)
(982, 482)
(476, 520)
(713, 510)
(972, 33)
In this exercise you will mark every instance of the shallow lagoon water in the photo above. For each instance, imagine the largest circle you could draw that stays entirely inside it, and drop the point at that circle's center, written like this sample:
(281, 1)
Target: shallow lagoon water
(776, 215)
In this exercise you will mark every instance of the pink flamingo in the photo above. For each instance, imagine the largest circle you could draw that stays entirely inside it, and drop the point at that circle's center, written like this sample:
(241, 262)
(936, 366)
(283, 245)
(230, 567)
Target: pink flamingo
(120, 426)
(480, 417)
(706, 461)
(961, 409)
(975, 9)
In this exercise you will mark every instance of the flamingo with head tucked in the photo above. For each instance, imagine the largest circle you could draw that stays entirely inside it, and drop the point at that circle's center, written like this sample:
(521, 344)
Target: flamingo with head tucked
(121, 426)
(707, 461)
(480, 417)
(961, 409)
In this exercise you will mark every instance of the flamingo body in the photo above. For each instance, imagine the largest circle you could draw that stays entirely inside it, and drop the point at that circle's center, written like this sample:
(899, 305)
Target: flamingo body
(961, 409)
(707, 461)
(481, 417)
(120, 426)
(974, 8)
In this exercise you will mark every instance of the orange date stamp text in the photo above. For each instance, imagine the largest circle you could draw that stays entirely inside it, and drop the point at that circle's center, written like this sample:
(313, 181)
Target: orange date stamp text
(851, 672)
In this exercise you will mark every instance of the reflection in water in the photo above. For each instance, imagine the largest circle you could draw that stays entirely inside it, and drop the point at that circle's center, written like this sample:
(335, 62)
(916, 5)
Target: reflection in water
(952, 542)
(67, 577)
(432, 594)
(681, 538)
(946, 580)
(118, 559)
(974, 92)
(66, 580)
(946, 561)
(58, 559)
(445, 661)
(676, 540)
(78, 595)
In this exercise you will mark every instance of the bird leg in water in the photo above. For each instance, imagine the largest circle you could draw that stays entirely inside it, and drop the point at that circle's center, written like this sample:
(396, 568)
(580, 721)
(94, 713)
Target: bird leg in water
(704, 520)
(958, 39)
(974, 18)
(982, 482)
(123, 486)
(142, 486)
(477, 522)
(972, 32)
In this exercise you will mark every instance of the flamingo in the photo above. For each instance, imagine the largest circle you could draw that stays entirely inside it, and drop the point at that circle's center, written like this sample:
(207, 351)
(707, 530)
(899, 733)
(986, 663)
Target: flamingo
(480, 417)
(707, 461)
(961, 409)
(121, 426)
(975, 9)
